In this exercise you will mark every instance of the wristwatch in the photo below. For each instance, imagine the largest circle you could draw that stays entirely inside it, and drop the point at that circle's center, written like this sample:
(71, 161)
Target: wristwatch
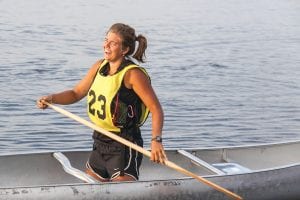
(157, 139)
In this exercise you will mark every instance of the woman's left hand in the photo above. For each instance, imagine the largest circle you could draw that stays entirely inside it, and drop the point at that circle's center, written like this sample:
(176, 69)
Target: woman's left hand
(158, 154)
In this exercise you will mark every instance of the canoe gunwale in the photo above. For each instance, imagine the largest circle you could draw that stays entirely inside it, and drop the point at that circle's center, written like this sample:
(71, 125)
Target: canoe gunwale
(13, 153)
(261, 145)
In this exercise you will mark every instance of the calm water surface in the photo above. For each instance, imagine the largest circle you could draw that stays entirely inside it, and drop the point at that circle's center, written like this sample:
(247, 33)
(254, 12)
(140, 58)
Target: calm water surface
(226, 72)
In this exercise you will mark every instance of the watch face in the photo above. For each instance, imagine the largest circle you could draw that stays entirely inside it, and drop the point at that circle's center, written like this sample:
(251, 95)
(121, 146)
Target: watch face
(158, 139)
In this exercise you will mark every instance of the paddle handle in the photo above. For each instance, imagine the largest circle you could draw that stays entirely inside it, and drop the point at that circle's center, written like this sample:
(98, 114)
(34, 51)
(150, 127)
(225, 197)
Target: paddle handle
(142, 150)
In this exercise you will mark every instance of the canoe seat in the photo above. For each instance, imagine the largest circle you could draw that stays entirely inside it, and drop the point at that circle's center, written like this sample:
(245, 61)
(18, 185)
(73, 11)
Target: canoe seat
(231, 168)
(218, 168)
(198, 161)
(64, 161)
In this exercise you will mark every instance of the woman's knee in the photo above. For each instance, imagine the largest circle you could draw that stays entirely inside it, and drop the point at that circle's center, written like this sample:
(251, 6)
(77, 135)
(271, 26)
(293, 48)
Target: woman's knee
(123, 178)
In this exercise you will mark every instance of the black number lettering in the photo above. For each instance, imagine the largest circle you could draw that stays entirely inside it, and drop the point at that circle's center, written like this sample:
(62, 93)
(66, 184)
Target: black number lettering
(101, 113)
(92, 101)
(101, 110)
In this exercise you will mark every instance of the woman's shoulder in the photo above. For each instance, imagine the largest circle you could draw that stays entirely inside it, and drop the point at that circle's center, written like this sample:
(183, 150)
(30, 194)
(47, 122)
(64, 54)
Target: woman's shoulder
(137, 74)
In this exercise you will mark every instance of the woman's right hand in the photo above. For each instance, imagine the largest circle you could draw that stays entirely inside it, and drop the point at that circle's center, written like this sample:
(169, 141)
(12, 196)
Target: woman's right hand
(40, 102)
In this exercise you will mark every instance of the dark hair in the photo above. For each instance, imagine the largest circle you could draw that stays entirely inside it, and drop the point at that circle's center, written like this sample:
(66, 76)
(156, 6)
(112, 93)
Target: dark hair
(129, 38)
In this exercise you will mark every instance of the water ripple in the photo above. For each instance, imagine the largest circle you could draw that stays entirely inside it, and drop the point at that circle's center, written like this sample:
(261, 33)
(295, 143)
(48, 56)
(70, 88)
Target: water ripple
(222, 80)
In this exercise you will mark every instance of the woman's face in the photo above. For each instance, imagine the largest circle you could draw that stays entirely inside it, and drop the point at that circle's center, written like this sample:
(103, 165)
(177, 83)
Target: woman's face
(112, 46)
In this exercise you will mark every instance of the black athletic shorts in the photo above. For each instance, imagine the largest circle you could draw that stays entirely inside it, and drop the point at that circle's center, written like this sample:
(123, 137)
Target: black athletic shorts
(110, 159)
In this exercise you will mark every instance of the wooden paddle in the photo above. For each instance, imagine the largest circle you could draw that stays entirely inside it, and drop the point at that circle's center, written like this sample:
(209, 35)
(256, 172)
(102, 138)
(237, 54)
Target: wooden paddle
(143, 151)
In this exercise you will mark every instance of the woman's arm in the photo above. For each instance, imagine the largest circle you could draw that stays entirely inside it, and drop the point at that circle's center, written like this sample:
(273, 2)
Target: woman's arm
(137, 80)
(76, 94)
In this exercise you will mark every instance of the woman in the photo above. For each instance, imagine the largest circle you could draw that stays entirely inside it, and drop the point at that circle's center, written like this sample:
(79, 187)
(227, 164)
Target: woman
(119, 97)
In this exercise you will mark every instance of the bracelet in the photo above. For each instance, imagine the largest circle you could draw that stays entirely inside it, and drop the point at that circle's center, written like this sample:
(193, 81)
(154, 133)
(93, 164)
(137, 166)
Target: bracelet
(51, 98)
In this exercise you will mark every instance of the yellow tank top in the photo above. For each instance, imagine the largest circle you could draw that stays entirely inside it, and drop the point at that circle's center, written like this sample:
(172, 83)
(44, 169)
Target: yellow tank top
(102, 95)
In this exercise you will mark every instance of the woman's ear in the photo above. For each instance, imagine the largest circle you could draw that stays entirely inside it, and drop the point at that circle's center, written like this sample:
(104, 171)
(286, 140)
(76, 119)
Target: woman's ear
(125, 51)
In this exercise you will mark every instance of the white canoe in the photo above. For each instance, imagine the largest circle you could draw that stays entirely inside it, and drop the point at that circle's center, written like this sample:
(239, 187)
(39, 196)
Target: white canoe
(263, 172)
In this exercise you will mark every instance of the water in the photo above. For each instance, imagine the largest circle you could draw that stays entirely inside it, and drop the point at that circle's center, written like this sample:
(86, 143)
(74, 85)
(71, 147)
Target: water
(226, 72)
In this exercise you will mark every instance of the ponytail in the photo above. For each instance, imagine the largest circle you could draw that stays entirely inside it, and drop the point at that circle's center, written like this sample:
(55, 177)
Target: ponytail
(142, 46)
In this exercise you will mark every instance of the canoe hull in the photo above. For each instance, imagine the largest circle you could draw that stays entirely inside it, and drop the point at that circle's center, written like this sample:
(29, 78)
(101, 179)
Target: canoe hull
(274, 174)
(274, 184)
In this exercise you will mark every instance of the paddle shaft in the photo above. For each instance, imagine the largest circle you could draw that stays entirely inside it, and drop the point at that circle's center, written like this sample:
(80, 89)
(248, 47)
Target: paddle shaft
(142, 150)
